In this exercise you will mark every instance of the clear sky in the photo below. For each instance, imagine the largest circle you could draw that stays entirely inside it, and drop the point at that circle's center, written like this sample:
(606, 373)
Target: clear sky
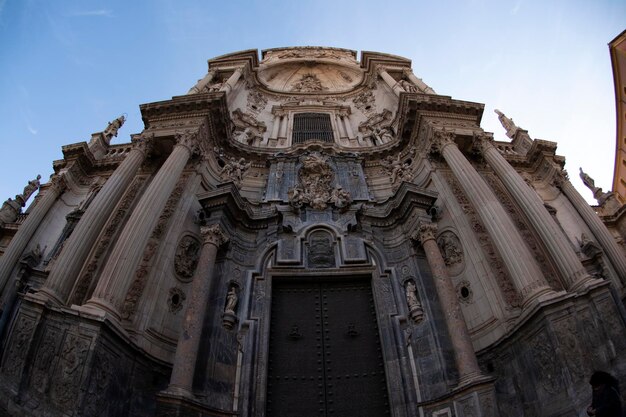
(69, 67)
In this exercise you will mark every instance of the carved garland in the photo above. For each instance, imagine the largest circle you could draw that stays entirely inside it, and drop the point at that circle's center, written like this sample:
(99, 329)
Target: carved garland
(511, 296)
(85, 280)
(129, 306)
(524, 230)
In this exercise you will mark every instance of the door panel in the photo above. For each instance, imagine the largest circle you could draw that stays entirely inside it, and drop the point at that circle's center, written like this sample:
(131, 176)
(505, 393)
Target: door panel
(325, 356)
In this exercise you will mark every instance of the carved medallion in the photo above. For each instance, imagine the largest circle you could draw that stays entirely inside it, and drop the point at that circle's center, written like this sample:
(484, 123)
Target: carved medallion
(186, 258)
(451, 250)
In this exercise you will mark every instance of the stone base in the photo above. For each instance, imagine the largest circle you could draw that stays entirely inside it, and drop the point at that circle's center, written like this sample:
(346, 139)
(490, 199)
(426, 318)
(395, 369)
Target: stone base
(476, 398)
(170, 404)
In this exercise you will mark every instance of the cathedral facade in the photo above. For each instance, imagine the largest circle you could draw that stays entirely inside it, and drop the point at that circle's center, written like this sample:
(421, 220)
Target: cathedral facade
(309, 234)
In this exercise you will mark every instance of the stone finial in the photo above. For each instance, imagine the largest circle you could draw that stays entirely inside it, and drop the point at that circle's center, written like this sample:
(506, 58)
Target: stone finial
(113, 127)
(507, 124)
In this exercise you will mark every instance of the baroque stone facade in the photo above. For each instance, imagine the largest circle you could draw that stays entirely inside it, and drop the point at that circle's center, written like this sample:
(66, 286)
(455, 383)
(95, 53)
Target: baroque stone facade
(308, 234)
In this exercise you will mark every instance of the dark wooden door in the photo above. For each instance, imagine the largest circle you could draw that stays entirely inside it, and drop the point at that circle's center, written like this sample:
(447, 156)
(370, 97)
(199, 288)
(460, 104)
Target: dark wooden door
(324, 356)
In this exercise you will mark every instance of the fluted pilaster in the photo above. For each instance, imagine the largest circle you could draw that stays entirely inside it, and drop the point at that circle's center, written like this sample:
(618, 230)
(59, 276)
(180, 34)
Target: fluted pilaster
(19, 242)
(569, 266)
(186, 355)
(76, 249)
(116, 276)
(519, 262)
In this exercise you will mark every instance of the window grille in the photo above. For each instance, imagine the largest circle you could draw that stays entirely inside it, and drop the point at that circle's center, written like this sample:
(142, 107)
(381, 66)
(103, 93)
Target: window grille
(312, 126)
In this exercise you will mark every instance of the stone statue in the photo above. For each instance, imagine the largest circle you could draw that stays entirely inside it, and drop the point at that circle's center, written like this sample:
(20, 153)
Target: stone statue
(588, 181)
(383, 134)
(398, 170)
(113, 127)
(507, 124)
(235, 170)
(408, 86)
(246, 136)
(415, 307)
(411, 295)
(231, 300)
(30, 188)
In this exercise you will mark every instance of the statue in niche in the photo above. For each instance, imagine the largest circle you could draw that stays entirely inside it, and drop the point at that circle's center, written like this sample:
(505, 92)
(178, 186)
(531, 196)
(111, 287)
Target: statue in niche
(30, 188)
(450, 248)
(113, 127)
(415, 307)
(229, 318)
(408, 86)
(231, 300)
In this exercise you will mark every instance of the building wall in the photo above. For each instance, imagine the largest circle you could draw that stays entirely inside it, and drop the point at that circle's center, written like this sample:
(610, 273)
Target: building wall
(213, 201)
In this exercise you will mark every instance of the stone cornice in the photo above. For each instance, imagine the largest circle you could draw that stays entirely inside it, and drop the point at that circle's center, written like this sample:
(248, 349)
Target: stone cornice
(247, 57)
(228, 202)
(399, 208)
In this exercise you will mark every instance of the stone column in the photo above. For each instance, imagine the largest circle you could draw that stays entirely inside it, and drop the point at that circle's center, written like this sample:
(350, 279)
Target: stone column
(599, 230)
(393, 84)
(518, 260)
(186, 355)
(276, 125)
(117, 275)
(76, 249)
(232, 80)
(464, 354)
(348, 126)
(557, 244)
(418, 82)
(15, 249)
(203, 82)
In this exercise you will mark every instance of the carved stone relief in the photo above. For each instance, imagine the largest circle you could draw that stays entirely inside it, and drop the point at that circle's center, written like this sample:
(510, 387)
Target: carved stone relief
(14, 359)
(548, 370)
(452, 251)
(365, 102)
(186, 257)
(321, 250)
(308, 83)
(68, 376)
(235, 170)
(256, 102)
(315, 185)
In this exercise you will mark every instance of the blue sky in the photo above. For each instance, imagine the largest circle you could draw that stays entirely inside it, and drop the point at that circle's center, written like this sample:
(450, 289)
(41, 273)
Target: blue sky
(69, 67)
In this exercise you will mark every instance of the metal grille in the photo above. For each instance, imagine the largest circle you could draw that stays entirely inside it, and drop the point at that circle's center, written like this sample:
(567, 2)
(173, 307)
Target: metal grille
(312, 126)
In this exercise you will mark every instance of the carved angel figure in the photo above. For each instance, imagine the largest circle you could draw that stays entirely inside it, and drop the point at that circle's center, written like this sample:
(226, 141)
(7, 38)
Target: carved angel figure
(399, 171)
(235, 170)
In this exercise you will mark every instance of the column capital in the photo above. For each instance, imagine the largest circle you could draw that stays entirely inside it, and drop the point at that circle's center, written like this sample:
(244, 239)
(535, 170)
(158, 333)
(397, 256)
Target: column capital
(57, 182)
(442, 139)
(560, 179)
(483, 142)
(145, 143)
(189, 140)
(425, 231)
(214, 235)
